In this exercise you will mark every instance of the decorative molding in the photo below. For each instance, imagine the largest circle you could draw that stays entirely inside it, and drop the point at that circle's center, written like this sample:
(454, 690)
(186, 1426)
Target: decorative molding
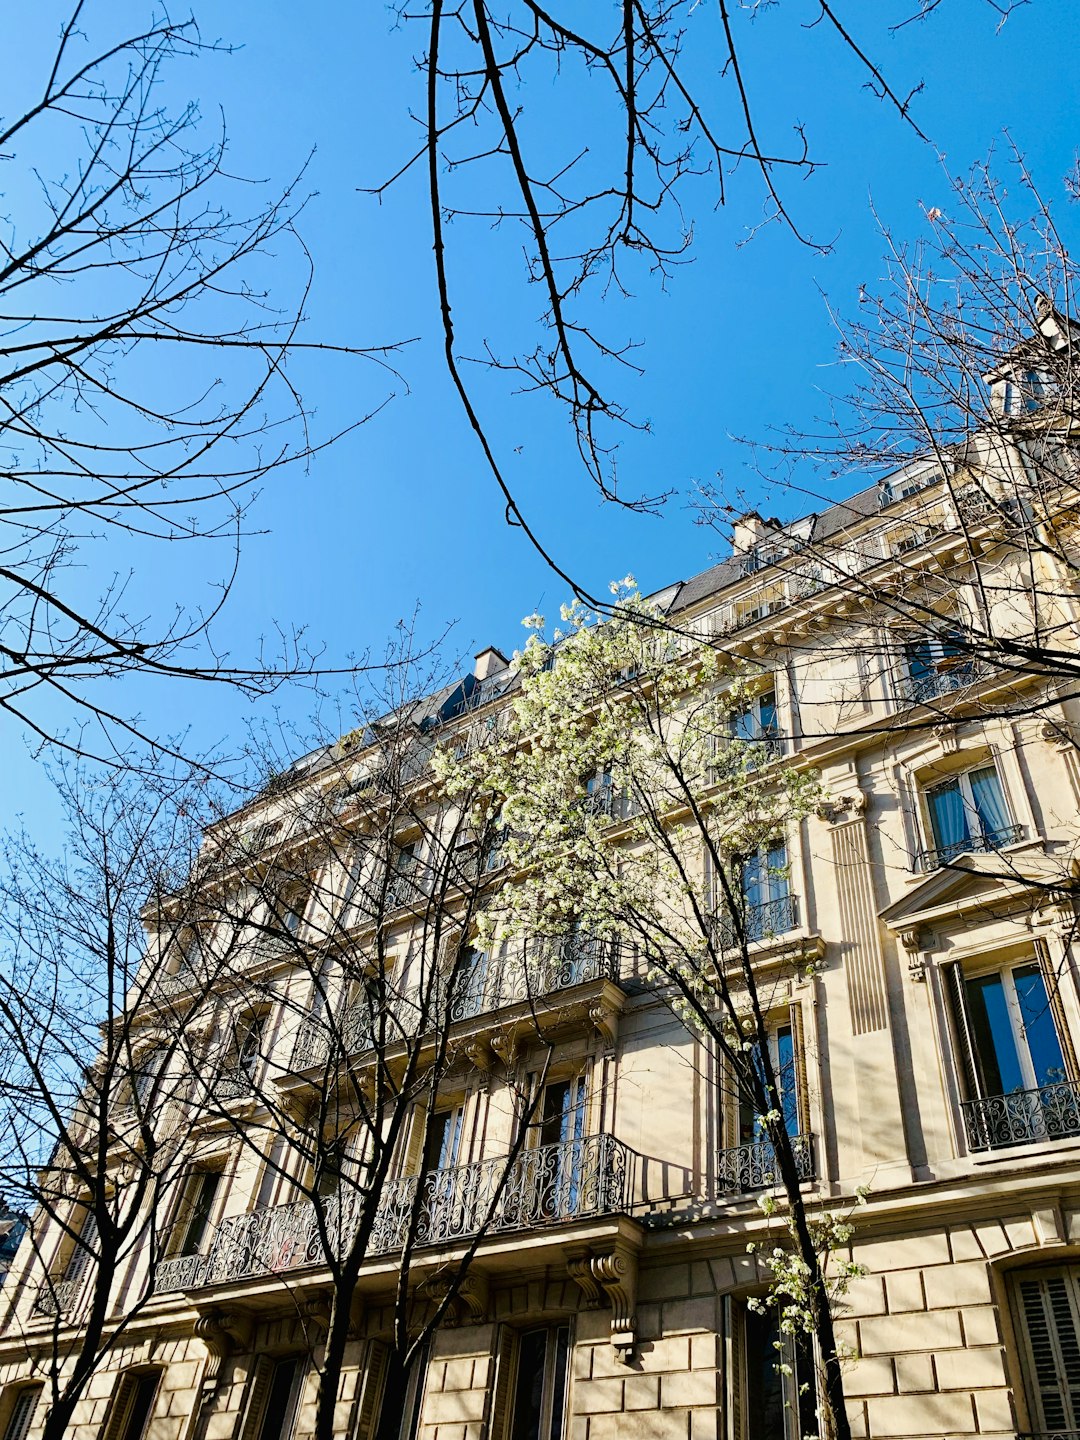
(469, 1301)
(1058, 733)
(948, 737)
(612, 1274)
(913, 940)
(864, 964)
(505, 1045)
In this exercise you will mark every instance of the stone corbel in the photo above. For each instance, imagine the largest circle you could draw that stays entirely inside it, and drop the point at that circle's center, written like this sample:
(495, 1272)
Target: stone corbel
(948, 736)
(839, 808)
(294, 1107)
(469, 1300)
(604, 1019)
(223, 1332)
(613, 1275)
(912, 941)
(478, 1053)
(504, 1043)
(1059, 734)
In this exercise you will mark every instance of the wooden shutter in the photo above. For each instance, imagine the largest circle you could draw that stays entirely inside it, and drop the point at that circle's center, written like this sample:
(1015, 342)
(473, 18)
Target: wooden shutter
(964, 1044)
(1052, 981)
(729, 1105)
(258, 1390)
(414, 1148)
(802, 1089)
(1050, 1311)
(127, 1394)
(367, 1412)
(734, 1368)
(502, 1393)
(22, 1412)
(80, 1259)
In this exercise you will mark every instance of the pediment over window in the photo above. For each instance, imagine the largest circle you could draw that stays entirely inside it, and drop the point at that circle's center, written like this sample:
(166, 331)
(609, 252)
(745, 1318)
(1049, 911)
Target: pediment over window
(980, 882)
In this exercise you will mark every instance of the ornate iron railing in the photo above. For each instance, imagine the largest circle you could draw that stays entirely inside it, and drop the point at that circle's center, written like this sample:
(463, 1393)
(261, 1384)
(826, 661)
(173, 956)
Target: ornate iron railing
(179, 1272)
(1050, 1113)
(590, 1176)
(232, 1084)
(58, 1297)
(539, 969)
(753, 1166)
(610, 803)
(1048, 1435)
(760, 922)
(985, 844)
(934, 684)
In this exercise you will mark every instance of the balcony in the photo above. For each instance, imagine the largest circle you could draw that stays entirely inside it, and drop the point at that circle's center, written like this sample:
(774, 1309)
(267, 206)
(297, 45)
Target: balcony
(540, 969)
(984, 844)
(58, 1297)
(609, 803)
(753, 1166)
(760, 922)
(550, 1185)
(933, 684)
(997, 1121)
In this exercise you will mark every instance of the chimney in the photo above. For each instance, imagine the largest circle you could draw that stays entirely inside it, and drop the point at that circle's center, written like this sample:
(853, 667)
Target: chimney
(746, 531)
(489, 662)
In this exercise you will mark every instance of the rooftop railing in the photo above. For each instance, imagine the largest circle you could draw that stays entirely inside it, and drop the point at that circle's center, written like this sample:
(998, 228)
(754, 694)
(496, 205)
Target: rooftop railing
(1052, 1112)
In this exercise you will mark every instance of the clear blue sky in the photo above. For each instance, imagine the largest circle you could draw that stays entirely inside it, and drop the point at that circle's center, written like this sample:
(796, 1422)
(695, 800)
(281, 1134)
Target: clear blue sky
(403, 510)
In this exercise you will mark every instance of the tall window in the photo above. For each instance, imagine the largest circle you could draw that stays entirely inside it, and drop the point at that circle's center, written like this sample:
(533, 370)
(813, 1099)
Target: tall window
(757, 723)
(968, 814)
(248, 1039)
(781, 1047)
(766, 904)
(197, 1210)
(771, 1378)
(21, 1414)
(558, 1159)
(530, 1400)
(274, 1398)
(936, 666)
(84, 1249)
(1047, 1306)
(132, 1403)
(468, 982)
(747, 1159)
(1012, 1044)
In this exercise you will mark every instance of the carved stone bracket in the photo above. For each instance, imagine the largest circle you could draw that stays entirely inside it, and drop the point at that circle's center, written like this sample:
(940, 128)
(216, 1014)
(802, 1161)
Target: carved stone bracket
(1059, 734)
(612, 1275)
(948, 736)
(604, 1019)
(470, 1301)
(839, 808)
(478, 1054)
(913, 941)
(223, 1332)
(294, 1107)
(505, 1045)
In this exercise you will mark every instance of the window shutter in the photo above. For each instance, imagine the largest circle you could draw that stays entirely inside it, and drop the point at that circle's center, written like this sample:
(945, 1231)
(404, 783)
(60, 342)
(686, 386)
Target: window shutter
(734, 1367)
(22, 1413)
(81, 1256)
(503, 1390)
(964, 1044)
(729, 1107)
(258, 1391)
(1052, 981)
(1051, 1313)
(367, 1415)
(802, 1089)
(414, 1149)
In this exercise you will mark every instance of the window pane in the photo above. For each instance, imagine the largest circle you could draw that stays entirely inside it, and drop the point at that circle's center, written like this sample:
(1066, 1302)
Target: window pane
(948, 816)
(988, 800)
(561, 1357)
(995, 1047)
(202, 1205)
(1040, 1034)
(277, 1421)
(785, 1075)
(529, 1386)
(767, 715)
(764, 1384)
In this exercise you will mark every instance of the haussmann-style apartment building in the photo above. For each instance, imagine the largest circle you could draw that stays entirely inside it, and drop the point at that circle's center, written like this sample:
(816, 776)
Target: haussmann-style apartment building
(925, 1012)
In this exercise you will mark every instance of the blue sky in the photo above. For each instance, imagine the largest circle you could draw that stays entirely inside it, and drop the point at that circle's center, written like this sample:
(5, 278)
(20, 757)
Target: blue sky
(402, 511)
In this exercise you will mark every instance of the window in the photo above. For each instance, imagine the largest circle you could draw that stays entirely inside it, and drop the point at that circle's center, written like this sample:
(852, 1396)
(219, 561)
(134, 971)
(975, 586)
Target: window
(248, 1044)
(442, 1141)
(467, 983)
(756, 723)
(385, 1386)
(968, 814)
(1047, 1308)
(530, 1400)
(558, 1165)
(21, 1414)
(274, 1398)
(145, 1074)
(404, 887)
(602, 798)
(766, 906)
(133, 1400)
(771, 1378)
(1012, 1045)
(196, 1210)
(84, 1249)
(748, 1161)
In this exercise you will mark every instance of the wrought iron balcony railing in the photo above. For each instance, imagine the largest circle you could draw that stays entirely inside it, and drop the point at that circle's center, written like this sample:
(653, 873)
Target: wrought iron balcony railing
(1050, 1113)
(985, 844)
(753, 1166)
(760, 922)
(578, 1178)
(59, 1297)
(540, 969)
(231, 1084)
(934, 684)
(1048, 1435)
(610, 803)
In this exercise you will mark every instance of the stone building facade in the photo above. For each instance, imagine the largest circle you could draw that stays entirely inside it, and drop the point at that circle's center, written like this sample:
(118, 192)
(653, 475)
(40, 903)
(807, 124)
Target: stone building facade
(933, 1039)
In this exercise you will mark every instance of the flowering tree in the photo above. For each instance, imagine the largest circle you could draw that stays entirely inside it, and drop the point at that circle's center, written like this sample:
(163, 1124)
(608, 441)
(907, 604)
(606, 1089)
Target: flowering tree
(641, 799)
